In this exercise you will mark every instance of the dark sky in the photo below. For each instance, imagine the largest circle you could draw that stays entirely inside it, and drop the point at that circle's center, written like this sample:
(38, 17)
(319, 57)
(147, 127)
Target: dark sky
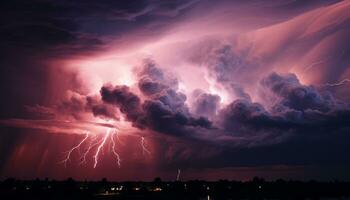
(130, 90)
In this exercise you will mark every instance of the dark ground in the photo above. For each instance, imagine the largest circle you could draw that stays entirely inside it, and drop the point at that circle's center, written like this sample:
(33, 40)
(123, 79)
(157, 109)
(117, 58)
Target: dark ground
(223, 189)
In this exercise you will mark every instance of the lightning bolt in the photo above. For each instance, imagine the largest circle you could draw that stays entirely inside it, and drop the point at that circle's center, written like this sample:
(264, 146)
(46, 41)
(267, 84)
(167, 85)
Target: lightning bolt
(100, 147)
(337, 83)
(178, 174)
(99, 144)
(144, 149)
(91, 145)
(115, 133)
(307, 68)
(74, 148)
(322, 61)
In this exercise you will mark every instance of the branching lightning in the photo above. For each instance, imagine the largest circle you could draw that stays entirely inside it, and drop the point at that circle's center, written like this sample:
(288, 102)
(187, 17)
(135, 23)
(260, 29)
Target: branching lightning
(74, 148)
(98, 144)
(92, 144)
(342, 82)
(144, 149)
(100, 147)
(115, 133)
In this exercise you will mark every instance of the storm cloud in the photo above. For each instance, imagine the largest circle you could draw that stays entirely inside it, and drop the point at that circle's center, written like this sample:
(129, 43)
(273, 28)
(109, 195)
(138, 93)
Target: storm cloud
(163, 109)
(290, 109)
(230, 83)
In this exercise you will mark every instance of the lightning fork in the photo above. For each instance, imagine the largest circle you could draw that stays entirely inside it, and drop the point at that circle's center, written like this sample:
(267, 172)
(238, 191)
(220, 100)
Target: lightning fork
(337, 83)
(100, 147)
(144, 149)
(74, 148)
(115, 153)
(91, 145)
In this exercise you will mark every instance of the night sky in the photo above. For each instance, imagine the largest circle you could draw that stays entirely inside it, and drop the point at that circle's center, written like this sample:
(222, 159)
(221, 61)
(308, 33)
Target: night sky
(132, 90)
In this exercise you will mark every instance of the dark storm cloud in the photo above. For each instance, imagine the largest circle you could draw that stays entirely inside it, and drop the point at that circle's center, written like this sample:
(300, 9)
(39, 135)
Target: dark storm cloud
(121, 96)
(205, 104)
(150, 87)
(163, 109)
(224, 63)
(166, 87)
(100, 109)
(162, 118)
(310, 132)
(230, 67)
(293, 95)
(161, 113)
(152, 80)
(246, 117)
(295, 109)
(239, 92)
(77, 106)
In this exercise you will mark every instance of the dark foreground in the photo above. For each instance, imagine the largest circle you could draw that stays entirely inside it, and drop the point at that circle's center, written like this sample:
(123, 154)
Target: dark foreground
(255, 189)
